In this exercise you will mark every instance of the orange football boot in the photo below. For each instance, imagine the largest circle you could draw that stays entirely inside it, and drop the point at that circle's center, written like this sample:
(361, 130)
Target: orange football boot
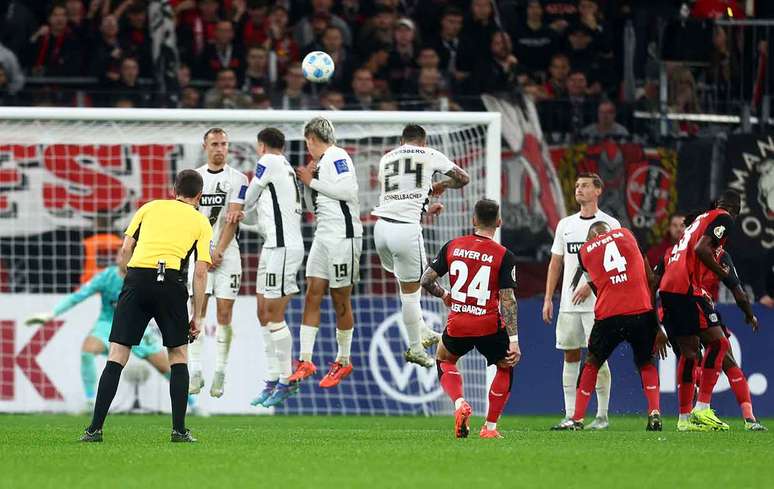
(336, 374)
(485, 433)
(462, 420)
(303, 370)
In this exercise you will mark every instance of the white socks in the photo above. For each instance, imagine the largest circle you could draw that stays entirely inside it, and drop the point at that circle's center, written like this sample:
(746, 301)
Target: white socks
(307, 336)
(411, 310)
(283, 346)
(195, 353)
(701, 405)
(344, 340)
(491, 426)
(272, 363)
(604, 380)
(570, 373)
(458, 403)
(223, 337)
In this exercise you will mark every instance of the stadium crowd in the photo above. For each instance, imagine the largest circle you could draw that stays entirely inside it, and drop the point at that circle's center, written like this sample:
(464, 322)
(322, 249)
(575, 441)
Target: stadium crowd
(569, 55)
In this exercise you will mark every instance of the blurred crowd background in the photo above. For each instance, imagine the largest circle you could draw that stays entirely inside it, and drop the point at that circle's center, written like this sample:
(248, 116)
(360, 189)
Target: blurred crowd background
(588, 64)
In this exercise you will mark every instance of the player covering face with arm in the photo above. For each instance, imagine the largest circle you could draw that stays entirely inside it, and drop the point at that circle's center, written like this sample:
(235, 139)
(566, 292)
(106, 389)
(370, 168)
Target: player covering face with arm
(405, 180)
(483, 314)
(334, 258)
(273, 199)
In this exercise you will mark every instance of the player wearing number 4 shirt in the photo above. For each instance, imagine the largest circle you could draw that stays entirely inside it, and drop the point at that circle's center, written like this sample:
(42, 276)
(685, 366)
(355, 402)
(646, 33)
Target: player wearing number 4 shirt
(482, 314)
(276, 192)
(406, 182)
(576, 316)
(689, 313)
(224, 192)
(334, 259)
(621, 279)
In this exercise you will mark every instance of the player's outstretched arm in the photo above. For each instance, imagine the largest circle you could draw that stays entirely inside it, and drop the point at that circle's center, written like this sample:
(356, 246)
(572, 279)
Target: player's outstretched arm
(458, 178)
(509, 311)
(429, 282)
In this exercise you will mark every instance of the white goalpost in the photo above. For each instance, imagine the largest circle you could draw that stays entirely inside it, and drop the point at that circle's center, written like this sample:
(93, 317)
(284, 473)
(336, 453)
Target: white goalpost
(67, 174)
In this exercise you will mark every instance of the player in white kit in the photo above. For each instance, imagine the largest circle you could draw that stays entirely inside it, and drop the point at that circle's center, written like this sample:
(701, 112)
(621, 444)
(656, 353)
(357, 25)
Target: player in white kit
(334, 258)
(576, 309)
(276, 193)
(406, 183)
(224, 192)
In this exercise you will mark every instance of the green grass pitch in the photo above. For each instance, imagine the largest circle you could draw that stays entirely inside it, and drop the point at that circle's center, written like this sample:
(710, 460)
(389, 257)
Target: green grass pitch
(40, 451)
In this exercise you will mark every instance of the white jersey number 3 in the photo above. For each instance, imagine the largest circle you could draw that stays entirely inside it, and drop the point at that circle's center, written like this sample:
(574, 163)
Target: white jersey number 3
(478, 287)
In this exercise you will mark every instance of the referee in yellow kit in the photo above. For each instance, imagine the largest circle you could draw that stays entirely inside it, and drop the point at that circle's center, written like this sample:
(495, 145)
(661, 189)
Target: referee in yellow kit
(158, 243)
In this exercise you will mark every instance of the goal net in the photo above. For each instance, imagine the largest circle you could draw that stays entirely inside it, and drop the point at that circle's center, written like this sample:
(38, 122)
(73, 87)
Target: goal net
(70, 180)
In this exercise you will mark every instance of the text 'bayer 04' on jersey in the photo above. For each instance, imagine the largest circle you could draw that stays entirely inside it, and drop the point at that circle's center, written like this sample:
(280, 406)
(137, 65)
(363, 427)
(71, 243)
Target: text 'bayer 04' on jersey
(221, 188)
(614, 264)
(571, 233)
(405, 181)
(478, 268)
(334, 196)
(279, 204)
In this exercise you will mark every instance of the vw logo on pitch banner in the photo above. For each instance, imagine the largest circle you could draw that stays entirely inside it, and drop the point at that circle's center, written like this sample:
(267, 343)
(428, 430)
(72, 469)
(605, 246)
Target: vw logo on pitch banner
(388, 344)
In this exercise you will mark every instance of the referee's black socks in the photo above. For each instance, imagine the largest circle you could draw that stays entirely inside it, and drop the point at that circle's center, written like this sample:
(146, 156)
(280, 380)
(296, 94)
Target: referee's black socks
(108, 385)
(178, 394)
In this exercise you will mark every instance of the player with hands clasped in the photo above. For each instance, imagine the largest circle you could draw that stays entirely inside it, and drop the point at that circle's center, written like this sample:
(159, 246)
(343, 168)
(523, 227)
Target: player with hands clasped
(482, 314)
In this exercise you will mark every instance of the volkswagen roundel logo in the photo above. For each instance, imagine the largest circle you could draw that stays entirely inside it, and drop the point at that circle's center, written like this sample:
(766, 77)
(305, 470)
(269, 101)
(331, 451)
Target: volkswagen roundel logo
(401, 381)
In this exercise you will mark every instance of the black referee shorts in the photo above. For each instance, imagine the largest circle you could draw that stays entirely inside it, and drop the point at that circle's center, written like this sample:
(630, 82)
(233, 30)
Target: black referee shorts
(493, 347)
(144, 298)
(639, 330)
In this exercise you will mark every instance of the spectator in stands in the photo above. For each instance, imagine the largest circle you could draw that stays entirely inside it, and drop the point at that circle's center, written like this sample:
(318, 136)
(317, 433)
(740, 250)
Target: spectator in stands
(280, 40)
(18, 27)
(225, 94)
(332, 42)
(580, 52)
(377, 31)
(560, 14)
(304, 32)
(558, 70)
(223, 53)
(53, 50)
(183, 76)
(190, 98)
(292, 95)
(428, 58)
(430, 91)
(497, 72)
(377, 63)
(127, 86)
(332, 100)
(12, 72)
(388, 104)
(363, 91)
(533, 41)
(578, 110)
(107, 53)
(320, 22)
(402, 63)
(196, 27)
(261, 102)
(478, 27)
(449, 47)
(671, 237)
(251, 26)
(683, 99)
(590, 16)
(135, 37)
(76, 19)
(256, 77)
(606, 126)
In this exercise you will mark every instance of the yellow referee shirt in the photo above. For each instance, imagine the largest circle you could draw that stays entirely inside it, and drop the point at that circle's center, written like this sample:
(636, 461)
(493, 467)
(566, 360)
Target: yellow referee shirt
(169, 230)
